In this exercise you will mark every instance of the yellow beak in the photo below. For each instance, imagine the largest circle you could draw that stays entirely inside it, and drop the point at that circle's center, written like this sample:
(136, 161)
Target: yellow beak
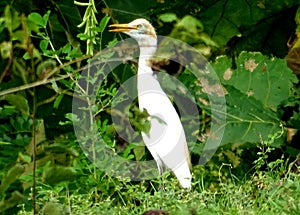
(121, 28)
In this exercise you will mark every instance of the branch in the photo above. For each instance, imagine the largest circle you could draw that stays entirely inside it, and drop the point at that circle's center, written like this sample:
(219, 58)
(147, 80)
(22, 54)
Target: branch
(33, 84)
(46, 80)
(121, 50)
(6, 70)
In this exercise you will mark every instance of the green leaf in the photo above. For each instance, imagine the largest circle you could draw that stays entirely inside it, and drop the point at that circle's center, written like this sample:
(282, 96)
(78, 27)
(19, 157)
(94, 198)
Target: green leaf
(7, 111)
(12, 201)
(168, 17)
(54, 86)
(83, 36)
(103, 23)
(36, 54)
(251, 24)
(24, 157)
(111, 44)
(37, 19)
(269, 81)
(255, 89)
(11, 176)
(67, 48)
(18, 35)
(46, 17)
(44, 45)
(4, 143)
(187, 29)
(56, 174)
(18, 101)
(190, 30)
(12, 19)
(32, 26)
(247, 120)
(139, 152)
(58, 100)
(297, 17)
(72, 117)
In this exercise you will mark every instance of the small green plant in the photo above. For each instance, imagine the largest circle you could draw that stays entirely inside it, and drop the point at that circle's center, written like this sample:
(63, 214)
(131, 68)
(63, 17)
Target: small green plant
(265, 148)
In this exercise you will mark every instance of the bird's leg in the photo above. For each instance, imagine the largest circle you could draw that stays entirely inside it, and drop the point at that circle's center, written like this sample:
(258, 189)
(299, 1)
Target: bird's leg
(161, 183)
(160, 168)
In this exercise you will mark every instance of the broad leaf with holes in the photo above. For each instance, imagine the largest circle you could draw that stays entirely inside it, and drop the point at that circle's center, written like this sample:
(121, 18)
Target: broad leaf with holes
(254, 88)
(267, 80)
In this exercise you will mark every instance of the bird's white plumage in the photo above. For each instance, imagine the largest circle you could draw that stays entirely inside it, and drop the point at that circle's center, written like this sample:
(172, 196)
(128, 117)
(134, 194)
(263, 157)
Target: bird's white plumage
(166, 139)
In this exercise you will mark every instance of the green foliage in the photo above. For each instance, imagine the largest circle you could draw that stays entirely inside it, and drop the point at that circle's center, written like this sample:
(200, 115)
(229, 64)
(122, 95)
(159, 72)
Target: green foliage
(269, 81)
(249, 23)
(230, 195)
(56, 174)
(247, 120)
(191, 30)
(11, 176)
(39, 20)
(255, 89)
(42, 63)
(15, 132)
(17, 101)
(89, 20)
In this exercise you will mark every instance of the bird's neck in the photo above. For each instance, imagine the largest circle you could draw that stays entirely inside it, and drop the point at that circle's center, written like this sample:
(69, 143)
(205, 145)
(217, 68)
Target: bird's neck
(147, 51)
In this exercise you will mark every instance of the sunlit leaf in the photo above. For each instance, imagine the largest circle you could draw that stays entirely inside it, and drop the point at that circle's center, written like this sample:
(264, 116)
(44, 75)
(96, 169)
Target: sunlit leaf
(12, 19)
(37, 19)
(58, 100)
(19, 101)
(168, 17)
(4, 143)
(103, 23)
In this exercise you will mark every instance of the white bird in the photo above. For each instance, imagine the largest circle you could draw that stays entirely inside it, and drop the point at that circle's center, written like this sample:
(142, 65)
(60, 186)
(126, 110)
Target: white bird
(166, 139)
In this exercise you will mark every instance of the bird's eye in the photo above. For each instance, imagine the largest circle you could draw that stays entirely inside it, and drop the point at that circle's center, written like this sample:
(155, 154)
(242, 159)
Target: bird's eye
(139, 26)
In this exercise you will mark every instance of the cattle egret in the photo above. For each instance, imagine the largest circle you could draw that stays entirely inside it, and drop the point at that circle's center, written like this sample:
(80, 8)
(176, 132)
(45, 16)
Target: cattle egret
(166, 139)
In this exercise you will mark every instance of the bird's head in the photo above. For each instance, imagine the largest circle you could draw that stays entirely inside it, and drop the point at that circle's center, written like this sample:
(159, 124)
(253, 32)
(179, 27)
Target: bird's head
(139, 29)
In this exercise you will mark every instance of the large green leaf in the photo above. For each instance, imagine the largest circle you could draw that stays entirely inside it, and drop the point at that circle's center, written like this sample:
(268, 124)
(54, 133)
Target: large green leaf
(250, 25)
(247, 120)
(255, 88)
(267, 80)
(225, 19)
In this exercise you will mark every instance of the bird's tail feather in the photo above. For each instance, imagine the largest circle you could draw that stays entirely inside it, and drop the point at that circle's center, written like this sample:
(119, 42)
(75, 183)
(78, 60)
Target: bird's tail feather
(183, 174)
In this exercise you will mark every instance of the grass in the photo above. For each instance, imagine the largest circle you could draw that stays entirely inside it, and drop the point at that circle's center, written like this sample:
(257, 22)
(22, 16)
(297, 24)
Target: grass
(273, 191)
(267, 187)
